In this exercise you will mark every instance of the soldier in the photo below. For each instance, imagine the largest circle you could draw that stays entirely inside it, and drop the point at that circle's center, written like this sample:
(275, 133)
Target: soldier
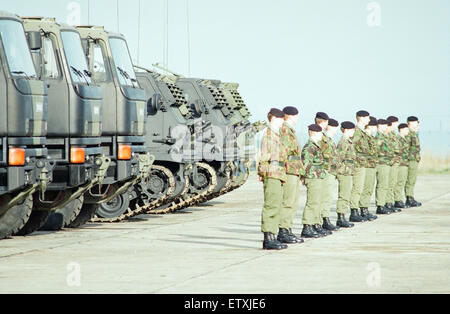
(371, 172)
(271, 171)
(332, 164)
(395, 144)
(347, 156)
(385, 154)
(294, 170)
(313, 162)
(414, 159)
(362, 148)
(403, 165)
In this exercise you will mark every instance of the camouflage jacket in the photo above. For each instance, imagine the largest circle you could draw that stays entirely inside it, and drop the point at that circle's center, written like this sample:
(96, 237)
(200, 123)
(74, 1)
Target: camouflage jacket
(273, 156)
(313, 161)
(395, 144)
(294, 164)
(330, 154)
(404, 149)
(372, 157)
(384, 149)
(362, 147)
(347, 157)
(414, 146)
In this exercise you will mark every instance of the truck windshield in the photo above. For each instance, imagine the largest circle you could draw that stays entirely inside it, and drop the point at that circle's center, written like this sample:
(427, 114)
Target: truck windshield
(122, 61)
(16, 49)
(76, 59)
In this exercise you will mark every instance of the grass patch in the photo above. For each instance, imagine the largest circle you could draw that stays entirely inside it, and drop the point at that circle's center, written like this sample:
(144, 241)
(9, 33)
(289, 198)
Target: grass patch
(434, 164)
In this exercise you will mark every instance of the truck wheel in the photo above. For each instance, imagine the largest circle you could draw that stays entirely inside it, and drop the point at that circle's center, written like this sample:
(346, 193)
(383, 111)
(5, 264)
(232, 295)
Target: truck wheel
(87, 212)
(15, 218)
(35, 222)
(64, 216)
(115, 207)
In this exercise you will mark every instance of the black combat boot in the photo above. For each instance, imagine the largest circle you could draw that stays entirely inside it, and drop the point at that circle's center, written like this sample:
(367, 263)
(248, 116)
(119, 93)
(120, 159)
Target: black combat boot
(318, 228)
(299, 240)
(381, 210)
(285, 237)
(354, 216)
(342, 222)
(399, 204)
(309, 232)
(366, 214)
(411, 202)
(271, 243)
(327, 225)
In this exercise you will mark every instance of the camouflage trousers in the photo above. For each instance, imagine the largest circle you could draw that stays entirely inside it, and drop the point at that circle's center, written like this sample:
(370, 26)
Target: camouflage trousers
(393, 174)
(344, 193)
(357, 187)
(401, 182)
(291, 198)
(273, 202)
(314, 194)
(369, 187)
(327, 199)
(412, 177)
(382, 184)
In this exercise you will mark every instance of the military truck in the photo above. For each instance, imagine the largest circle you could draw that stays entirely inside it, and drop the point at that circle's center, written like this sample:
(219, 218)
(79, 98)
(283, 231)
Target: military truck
(124, 118)
(24, 168)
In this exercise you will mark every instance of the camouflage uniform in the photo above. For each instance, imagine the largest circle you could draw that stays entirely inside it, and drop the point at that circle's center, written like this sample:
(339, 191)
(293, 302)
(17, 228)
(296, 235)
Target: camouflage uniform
(271, 168)
(362, 148)
(402, 169)
(385, 155)
(371, 173)
(414, 159)
(315, 174)
(294, 170)
(331, 163)
(345, 170)
(394, 138)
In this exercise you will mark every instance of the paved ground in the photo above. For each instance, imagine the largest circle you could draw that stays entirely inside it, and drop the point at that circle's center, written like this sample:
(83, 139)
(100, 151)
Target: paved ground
(216, 248)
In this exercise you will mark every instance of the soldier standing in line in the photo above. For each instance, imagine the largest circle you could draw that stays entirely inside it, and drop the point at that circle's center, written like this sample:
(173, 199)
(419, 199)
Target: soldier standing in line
(414, 159)
(315, 174)
(332, 164)
(362, 148)
(294, 170)
(347, 156)
(385, 154)
(371, 172)
(271, 171)
(403, 165)
(395, 145)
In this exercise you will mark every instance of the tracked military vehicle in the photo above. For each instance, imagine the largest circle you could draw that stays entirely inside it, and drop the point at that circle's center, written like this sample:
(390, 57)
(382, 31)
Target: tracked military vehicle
(173, 137)
(24, 168)
(124, 116)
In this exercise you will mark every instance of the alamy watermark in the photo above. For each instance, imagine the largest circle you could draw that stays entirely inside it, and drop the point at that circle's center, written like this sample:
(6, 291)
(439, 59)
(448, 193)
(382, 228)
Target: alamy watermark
(374, 16)
(73, 278)
(373, 279)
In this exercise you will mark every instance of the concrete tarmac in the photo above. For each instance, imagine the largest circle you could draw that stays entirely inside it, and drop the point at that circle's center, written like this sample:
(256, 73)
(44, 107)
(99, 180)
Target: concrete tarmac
(216, 248)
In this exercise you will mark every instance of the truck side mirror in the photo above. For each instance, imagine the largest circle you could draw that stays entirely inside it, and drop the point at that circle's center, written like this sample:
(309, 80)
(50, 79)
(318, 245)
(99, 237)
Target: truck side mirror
(34, 40)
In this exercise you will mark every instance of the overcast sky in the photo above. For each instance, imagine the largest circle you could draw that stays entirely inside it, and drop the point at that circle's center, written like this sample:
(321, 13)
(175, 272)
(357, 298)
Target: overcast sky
(386, 56)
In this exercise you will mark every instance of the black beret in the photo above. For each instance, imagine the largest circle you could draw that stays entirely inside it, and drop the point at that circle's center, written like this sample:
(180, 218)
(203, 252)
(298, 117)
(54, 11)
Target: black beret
(373, 121)
(315, 128)
(402, 126)
(292, 111)
(413, 119)
(362, 113)
(322, 115)
(348, 125)
(382, 122)
(332, 122)
(276, 113)
(392, 119)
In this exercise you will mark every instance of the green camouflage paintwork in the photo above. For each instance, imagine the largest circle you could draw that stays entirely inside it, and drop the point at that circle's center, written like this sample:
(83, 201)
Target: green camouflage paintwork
(272, 150)
(414, 146)
(404, 150)
(372, 155)
(395, 145)
(313, 161)
(361, 141)
(330, 154)
(384, 149)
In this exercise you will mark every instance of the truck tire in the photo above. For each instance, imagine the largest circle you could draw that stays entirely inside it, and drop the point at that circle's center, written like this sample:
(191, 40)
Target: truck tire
(87, 212)
(15, 218)
(64, 216)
